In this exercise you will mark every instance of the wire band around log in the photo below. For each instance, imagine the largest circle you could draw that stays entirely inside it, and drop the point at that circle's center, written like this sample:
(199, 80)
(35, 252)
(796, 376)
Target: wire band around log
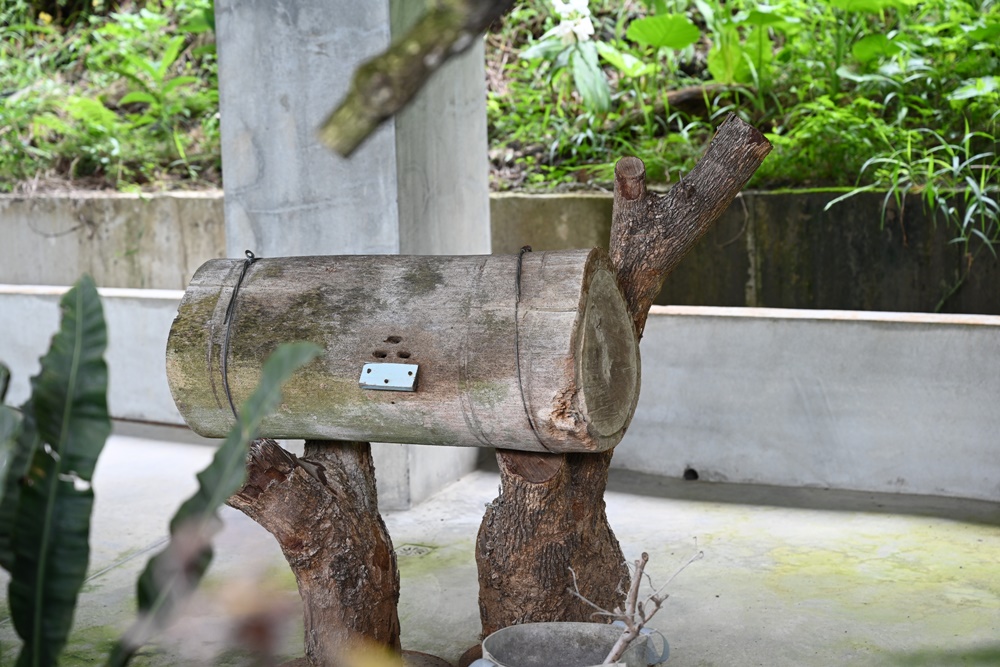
(228, 321)
(517, 344)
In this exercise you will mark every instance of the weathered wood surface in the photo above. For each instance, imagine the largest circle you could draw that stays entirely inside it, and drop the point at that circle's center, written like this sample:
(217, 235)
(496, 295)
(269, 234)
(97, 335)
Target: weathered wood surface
(576, 371)
(550, 516)
(651, 234)
(322, 509)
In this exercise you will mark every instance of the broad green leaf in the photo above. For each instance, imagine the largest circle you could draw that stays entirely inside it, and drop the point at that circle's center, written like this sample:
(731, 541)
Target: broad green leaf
(177, 81)
(625, 63)
(138, 64)
(204, 49)
(199, 22)
(69, 410)
(51, 551)
(589, 78)
(546, 48)
(657, 6)
(671, 31)
(169, 56)
(868, 48)
(10, 428)
(760, 50)
(765, 15)
(138, 97)
(173, 573)
(987, 34)
(725, 60)
(844, 73)
(4, 380)
(984, 85)
(69, 395)
(706, 11)
(22, 453)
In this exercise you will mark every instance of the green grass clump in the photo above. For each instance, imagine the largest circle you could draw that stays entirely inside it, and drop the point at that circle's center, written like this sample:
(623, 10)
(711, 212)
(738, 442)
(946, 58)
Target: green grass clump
(833, 83)
(125, 97)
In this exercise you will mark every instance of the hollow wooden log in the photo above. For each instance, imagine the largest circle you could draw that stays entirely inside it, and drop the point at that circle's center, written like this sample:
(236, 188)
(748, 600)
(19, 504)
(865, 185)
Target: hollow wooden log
(560, 498)
(322, 509)
(533, 352)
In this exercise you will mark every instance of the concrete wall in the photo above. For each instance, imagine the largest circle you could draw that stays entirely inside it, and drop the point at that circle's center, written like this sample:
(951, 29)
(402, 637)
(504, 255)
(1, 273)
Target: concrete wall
(549, 222)
(419, 185)
(884, 402)
(122, 240)
(784, 250)
(138, 322)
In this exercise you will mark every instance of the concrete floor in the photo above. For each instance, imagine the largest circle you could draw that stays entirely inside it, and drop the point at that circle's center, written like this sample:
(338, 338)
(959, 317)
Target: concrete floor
(789, 576)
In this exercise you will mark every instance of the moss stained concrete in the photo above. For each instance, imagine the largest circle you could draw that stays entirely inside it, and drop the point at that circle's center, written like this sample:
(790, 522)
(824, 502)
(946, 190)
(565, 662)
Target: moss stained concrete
(788, 576)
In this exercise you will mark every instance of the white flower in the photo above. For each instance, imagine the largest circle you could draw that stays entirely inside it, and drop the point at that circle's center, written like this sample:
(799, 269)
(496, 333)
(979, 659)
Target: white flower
(569, 9)
(584, 29)
(575, 25)
(570, 32)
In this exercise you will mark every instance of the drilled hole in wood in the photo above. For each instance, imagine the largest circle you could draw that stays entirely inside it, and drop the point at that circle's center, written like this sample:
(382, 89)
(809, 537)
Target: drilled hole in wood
(409, 372)
(393, 339)
(368, 371)
(386, 380)
(403, 355)
(380, 354)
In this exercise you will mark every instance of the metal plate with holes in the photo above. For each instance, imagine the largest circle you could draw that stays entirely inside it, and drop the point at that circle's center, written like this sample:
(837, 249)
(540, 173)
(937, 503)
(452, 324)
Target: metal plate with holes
(389, 377)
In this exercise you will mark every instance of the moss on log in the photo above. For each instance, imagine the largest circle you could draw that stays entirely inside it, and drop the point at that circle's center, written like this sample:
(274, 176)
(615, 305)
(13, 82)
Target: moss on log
(552, 369)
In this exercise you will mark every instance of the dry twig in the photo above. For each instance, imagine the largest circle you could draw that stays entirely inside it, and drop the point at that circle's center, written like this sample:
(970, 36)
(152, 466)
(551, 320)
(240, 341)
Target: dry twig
(636, 614)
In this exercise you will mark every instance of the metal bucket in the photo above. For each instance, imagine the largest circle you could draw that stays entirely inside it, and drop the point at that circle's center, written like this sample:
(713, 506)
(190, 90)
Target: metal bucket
(559, 645)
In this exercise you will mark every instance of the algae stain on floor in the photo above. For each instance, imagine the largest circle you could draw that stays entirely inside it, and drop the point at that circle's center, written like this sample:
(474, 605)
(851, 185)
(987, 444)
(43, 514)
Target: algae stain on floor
(942, 573)
(428, 590)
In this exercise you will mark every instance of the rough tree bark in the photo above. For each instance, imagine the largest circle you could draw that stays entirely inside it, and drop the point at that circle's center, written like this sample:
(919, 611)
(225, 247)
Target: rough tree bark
(550, 514)
(386, 83)
(322, 509)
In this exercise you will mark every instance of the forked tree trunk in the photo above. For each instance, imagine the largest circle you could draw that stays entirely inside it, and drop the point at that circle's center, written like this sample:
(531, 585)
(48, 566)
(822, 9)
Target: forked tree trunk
(550, 514)
(322, 509)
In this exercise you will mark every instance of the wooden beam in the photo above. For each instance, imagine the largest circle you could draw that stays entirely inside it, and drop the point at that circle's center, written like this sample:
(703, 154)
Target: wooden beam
(534, 352)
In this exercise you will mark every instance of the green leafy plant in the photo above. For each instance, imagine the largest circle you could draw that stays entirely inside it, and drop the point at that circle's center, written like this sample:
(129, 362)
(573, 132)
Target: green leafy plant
(48, 499)
(48, 452)
(171, 575)
(125, 98)
(567, 47)
(960, 186)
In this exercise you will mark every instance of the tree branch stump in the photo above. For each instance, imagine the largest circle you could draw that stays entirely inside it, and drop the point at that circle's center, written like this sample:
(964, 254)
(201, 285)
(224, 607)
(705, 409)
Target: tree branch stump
(550, 514)
(322, 509)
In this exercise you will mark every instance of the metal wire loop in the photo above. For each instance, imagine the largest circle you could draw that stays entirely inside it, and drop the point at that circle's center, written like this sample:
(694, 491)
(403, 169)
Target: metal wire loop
(228, 321)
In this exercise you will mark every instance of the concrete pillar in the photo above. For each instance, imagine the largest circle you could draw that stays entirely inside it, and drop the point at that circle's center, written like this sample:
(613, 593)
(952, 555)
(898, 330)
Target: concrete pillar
(418, 186)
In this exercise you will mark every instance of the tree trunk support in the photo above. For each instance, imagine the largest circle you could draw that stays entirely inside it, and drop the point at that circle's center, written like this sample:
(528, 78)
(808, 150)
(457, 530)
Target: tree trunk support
(549, 521)
(322, 509)
(550, 515)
